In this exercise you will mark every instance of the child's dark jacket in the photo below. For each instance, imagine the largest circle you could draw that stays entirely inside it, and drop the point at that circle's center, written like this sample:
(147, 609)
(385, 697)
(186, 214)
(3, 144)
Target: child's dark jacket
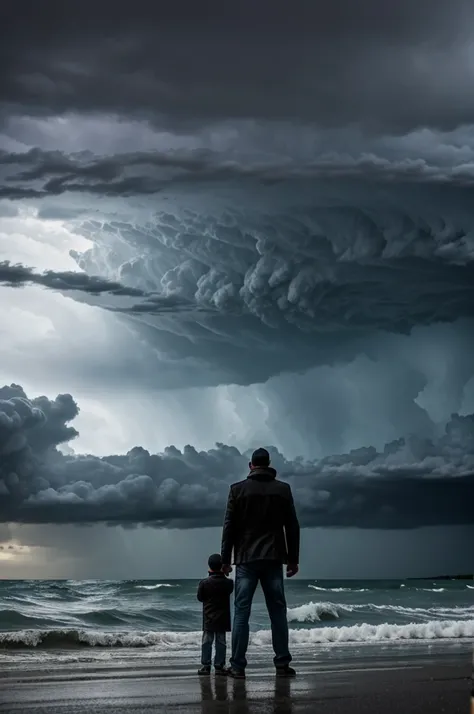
(214, 593)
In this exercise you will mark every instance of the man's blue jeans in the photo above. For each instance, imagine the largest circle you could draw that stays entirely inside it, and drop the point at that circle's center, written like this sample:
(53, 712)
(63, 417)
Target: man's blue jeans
(219, 656)
(247, 576)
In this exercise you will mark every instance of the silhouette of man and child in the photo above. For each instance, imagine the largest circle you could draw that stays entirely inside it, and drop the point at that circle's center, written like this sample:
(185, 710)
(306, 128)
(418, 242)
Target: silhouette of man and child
(261, 529)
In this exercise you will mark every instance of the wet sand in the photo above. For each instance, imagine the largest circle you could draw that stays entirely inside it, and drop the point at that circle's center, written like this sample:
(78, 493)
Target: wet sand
(432, 684)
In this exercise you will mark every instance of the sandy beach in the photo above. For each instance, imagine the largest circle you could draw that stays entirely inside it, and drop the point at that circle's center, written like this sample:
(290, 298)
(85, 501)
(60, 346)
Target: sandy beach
(402, 682)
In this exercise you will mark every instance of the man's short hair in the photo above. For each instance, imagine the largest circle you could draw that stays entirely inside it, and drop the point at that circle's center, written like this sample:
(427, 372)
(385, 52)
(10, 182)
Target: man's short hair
(260, 457)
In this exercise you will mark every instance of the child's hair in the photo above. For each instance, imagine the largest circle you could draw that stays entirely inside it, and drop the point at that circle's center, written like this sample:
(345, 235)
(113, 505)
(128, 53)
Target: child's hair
(215, 562)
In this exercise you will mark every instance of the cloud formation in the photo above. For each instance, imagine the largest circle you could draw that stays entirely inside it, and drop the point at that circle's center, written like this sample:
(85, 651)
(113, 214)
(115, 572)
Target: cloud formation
(37, 174)
(18, 275)
(397, 66)
(40, 174)
(410, 483)
(300, 272)
(267, 220)
(292, 217)
(295, 278)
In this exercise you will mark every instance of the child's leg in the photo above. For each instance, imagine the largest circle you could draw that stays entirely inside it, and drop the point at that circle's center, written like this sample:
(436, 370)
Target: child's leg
(220, 653)
(207, 640)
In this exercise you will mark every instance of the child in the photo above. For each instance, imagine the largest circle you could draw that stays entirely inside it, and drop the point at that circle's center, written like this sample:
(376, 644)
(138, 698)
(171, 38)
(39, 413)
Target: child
(214, 593)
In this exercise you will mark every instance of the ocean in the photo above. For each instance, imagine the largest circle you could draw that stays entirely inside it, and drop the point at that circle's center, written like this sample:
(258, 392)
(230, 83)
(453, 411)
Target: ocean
(86, 619)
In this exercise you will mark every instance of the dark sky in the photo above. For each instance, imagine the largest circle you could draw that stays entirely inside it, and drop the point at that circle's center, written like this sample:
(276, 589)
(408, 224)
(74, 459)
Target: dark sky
(239, 225)
(391, 68)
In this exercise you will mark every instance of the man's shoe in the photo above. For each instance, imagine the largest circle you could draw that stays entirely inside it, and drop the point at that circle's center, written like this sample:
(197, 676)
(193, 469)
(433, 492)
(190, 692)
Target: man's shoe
(285, 671)
(220, 671)
(205, 670)
(236, 673)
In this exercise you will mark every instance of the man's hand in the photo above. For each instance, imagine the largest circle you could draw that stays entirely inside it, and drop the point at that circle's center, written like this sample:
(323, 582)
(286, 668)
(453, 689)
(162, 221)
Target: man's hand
(291, 569)
(226, 569)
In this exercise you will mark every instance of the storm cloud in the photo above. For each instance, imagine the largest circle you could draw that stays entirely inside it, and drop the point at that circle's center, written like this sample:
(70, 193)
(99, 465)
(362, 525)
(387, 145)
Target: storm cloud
(19, 275)
(40, 174)
(16, 276)
(399, 66)
(410, 483)
(272, 207)
(295, 277)
(296, 198)
(297, 274)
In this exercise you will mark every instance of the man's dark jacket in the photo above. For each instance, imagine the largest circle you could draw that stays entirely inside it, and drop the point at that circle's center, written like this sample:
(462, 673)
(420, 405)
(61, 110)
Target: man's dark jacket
(260, 521)
(214, 592)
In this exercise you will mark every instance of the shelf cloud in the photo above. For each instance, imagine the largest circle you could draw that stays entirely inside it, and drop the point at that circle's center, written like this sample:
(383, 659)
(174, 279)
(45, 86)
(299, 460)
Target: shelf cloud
(410, 483)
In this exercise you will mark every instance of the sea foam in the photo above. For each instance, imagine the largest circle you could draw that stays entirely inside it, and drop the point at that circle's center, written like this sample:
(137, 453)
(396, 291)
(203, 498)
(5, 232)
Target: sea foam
(166, 641)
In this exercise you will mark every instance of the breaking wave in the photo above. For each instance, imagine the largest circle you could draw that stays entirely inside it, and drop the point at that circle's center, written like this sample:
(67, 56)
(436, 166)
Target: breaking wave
(166, 641)
(340, 590)
(315, 612)
(318, 611)
(156, 587)
(44, 617)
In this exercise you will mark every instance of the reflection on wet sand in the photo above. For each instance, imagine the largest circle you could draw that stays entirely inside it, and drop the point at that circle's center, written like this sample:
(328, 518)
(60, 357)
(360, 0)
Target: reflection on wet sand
(236, 693)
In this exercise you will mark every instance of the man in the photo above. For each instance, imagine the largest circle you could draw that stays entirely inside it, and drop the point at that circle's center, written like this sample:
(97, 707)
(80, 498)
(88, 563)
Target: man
(262, 529)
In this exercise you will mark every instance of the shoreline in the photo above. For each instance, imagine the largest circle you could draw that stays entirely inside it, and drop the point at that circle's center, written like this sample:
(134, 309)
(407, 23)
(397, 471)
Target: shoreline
(378, 650)
(398, 681)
